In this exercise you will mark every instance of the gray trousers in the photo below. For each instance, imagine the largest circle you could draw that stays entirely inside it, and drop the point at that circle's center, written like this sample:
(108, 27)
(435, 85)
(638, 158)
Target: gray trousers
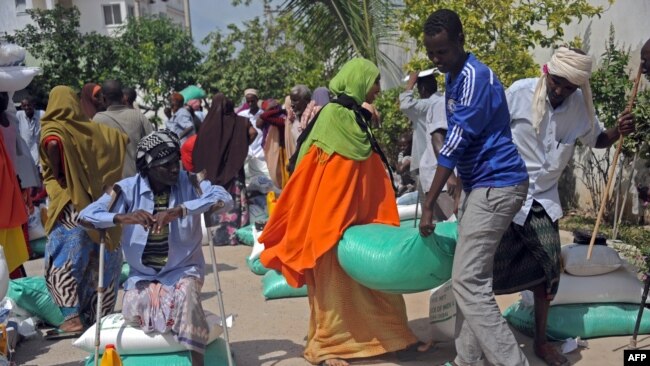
(481, 330)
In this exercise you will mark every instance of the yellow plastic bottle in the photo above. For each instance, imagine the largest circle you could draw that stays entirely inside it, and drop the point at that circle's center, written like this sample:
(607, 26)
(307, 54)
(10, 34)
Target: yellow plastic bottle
(111, 357)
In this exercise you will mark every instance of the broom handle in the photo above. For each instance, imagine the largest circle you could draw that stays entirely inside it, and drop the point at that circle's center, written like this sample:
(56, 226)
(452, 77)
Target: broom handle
(612, 169)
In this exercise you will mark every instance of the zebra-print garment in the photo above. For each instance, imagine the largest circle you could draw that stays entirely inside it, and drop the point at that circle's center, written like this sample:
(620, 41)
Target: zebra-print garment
(72, 272)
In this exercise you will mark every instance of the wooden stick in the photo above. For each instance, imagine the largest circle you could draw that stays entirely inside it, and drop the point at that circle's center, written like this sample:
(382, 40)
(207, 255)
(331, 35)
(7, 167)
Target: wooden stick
(612, 169)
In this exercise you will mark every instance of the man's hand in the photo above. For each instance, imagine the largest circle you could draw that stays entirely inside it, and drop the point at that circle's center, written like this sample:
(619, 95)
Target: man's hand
(626, 123)
(426, 222)
(163, 218)
(413, 79)
(139, 217)
(453, 185)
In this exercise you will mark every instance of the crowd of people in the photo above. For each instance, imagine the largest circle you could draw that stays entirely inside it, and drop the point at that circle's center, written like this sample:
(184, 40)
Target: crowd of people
(489, 154)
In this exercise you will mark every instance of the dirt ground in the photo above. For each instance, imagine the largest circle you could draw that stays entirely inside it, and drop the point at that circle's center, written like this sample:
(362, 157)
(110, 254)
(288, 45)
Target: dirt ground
(273, 332)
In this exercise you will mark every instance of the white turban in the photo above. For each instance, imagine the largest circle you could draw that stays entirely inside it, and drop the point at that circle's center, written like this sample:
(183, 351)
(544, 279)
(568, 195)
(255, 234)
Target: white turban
(574, 67)
(250, 92)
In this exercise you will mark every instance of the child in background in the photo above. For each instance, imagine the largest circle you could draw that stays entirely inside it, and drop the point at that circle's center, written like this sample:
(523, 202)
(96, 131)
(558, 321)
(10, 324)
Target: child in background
(407, 183)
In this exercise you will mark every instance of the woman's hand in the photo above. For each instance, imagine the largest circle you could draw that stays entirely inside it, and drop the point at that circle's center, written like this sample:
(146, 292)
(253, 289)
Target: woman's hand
(426, 222)
(139, 217)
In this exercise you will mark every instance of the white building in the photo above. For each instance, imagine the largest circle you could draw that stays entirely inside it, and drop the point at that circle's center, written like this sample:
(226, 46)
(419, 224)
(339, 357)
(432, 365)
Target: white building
(101, 16)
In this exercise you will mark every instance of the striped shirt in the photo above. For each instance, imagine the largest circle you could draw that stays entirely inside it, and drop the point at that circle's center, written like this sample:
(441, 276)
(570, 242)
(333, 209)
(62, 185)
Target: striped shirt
(479, 142)
(156, 251)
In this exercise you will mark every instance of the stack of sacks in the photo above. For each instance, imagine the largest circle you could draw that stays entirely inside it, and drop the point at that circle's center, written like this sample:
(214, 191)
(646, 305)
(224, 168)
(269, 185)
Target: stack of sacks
(596, 298)
(136, 347)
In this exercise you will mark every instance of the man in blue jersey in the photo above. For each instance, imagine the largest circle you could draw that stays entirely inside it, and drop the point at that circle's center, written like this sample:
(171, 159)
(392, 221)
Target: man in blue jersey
(494, 180)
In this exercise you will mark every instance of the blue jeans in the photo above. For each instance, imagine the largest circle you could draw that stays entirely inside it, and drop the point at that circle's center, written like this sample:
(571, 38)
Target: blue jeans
(481, 330)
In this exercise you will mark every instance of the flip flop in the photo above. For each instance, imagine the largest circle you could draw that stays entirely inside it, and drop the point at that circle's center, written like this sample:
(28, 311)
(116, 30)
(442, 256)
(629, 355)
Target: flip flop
(56, 334)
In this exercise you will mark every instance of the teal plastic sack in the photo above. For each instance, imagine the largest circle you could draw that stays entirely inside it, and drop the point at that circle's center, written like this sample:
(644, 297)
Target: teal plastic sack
(192, 92)
(580, 320)
(275, 286)
(256, 266)
(245, 235)
(397, 259)
(31, 294)
(124, 273)
(215, 355)
(38, 247)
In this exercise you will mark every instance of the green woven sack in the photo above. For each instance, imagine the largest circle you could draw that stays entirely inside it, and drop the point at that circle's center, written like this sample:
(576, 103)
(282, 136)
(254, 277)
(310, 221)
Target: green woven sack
(256, 266)
(215, 355)
(397, 259)
(31, 294)
(192, 92)
(275, 286)
(580, 320)
(245, 235)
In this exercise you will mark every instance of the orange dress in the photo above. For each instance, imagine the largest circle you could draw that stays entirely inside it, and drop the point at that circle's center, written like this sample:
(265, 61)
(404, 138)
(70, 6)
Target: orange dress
(325, 196)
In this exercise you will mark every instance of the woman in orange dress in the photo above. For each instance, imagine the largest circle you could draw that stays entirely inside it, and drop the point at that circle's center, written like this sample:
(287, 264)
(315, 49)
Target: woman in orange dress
(339, 181)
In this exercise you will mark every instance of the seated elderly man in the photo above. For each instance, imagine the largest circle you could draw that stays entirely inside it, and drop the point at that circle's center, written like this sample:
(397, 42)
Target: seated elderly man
(159, 208)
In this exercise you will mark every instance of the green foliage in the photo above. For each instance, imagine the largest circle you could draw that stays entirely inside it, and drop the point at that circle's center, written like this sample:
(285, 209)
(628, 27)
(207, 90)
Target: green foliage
(152, 54)
(67, 57)
(342, 29)
(393, 122)
(157, 56)
(611, 86)
(267, 57)
(501, 33)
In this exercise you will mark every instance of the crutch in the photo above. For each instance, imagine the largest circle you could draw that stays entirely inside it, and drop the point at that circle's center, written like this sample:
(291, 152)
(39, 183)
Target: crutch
(640, 314)
(100, 292)
(115, 192)
(211, 220)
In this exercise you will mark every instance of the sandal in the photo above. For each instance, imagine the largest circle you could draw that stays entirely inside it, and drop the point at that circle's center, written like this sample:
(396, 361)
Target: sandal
(56, 334)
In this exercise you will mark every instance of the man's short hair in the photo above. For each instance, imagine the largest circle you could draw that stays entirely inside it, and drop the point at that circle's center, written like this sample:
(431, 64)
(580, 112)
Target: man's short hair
(444, 20)
(301, 91)
(429, 83)
(130, 95)
(112, 90)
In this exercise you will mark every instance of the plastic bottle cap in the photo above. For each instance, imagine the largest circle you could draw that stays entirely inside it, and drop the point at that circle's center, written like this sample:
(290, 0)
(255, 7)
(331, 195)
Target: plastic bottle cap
(110, 346)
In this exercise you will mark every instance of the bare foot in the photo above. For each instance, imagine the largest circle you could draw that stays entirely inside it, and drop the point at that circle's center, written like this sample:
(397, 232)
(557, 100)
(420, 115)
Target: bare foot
(72, 325)
(425, 346)
(550, 355)
(335, 362)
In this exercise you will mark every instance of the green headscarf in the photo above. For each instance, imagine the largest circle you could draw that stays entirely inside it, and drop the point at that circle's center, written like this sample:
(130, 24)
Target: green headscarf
(337, 130)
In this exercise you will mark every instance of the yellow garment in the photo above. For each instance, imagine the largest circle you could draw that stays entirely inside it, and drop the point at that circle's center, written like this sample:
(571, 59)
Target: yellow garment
(13, 242)
(93, 156)
(349, 320)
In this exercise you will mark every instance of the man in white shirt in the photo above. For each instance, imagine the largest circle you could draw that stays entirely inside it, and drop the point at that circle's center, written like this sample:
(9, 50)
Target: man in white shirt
(29, 125)
(548, 115)
(429, 120)
(255, 162)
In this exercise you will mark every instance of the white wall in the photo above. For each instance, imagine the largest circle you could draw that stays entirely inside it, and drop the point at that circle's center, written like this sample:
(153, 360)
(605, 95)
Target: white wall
(630, 21)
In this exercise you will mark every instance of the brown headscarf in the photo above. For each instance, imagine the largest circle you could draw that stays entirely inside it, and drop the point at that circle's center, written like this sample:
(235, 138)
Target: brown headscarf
(222, 143)
(86, 100)
(93, 158)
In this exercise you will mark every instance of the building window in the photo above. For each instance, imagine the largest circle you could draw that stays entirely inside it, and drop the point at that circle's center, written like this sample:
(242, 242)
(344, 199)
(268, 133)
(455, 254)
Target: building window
(112, 14)
(130, 11)
(21, 6)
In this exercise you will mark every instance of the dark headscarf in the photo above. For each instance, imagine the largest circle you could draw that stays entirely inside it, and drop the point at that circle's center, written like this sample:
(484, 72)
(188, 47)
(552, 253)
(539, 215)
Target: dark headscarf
(157, 148)
(222, 143)
(321, 96)
(86, 100)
